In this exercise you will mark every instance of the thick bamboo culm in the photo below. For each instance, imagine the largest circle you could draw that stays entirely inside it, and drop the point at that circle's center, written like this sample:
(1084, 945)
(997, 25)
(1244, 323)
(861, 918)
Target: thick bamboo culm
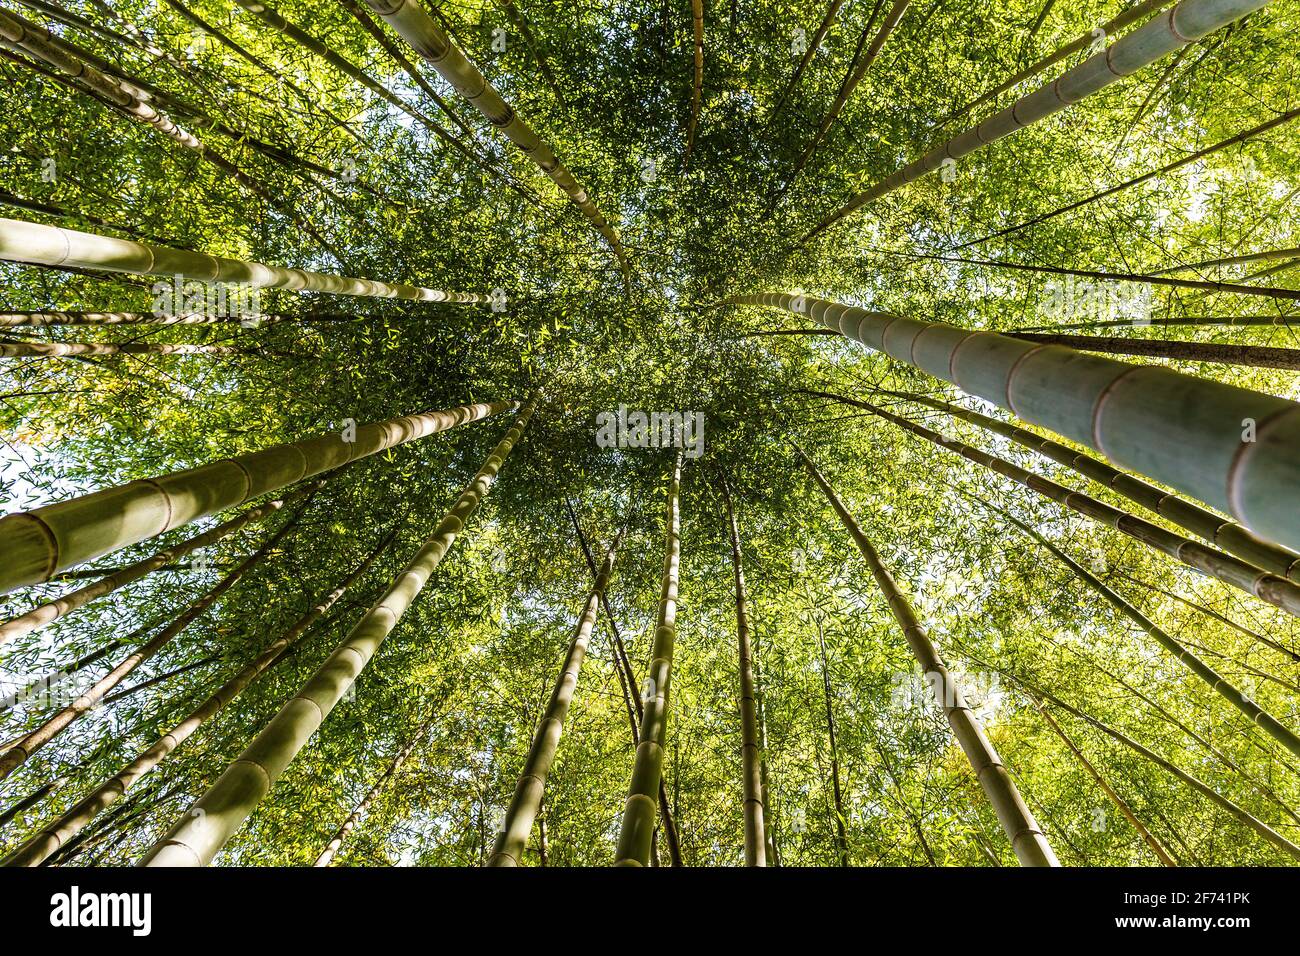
(56, 834)
(751, 756)
(1229, 535)
(637, 831)
(76, 349)
(45, 318)
(527, 799)
(213, 819)
(1186, 23)
(20, 751)
(39, 543)
(1022, 830)
(37, 244)
(428, 39)
(1276, 590)
(1234, 449)
(50, 611)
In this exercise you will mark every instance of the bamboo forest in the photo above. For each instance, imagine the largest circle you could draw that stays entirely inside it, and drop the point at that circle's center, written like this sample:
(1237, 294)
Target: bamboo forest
(522, 433)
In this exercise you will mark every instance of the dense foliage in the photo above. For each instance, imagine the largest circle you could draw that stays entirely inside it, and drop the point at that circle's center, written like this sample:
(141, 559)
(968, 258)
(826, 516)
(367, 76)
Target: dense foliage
(609, 85)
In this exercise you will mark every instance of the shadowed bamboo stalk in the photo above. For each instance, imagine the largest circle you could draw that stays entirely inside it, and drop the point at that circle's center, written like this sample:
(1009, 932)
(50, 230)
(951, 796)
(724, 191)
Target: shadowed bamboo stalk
(1292, 253)
(1256, 714)
(1272, 588)
(61, 349)
(751, 756)
(44, 614)
(527, 799)
(697, 78)
(428, 39)
(41, 319)
(1186, 23)
(37, 244)
(638, 826)
(1228, 535)
(23, 749)
(1236, 812)
(1236, 450)
(214, 817)
(41, 542)
(1252, 356)
(1027, 840)
(841, 835)
(56, 835)
(814, 45)
(1120, 803)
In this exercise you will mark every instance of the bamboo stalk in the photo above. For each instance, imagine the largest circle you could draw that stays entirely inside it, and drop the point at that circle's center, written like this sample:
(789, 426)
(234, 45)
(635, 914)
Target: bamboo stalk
(751, 755)
(37, 244)
(428, 39)
(214, 817)
(697, 77)
(73, 349)
(1022, 830)
(1251, 356)
(527, 800)
(22, 750)
(1186, 23)
(1236, 450)
(44, 541)
(1228, 535)
(638, 826)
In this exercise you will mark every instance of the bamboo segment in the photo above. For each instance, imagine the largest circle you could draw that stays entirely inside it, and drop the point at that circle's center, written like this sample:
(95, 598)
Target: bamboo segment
(428, 39)
(44, 541)
(527, 799)
(1236, 450)
(638, 826)
(19, 752)
(1256, 714)
(214, 817)
(1186, 23)
(751, 755)
(1228, 535)
(55, 835)
(1272, 588)
(31, 242)
(331, 850)
(39, 616)
(1027, 840)
(60, 349)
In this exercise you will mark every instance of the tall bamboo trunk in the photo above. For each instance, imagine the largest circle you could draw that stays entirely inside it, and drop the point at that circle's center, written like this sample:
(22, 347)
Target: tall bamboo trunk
(76, 349)
(697, 77)
(647, 772)
(331, 850)
(39, 543)
(1027, 840)
(37, 244)
(814, 44)
(1276, 590)
(428, 39)
(751, 757)
(1228, 535)
(55, 835)
(215, 816)
(1120, 804)
(527, 800)
(50, 611)
(1236, 450)
(841, 835)
(1188, 22)
(19, 752)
